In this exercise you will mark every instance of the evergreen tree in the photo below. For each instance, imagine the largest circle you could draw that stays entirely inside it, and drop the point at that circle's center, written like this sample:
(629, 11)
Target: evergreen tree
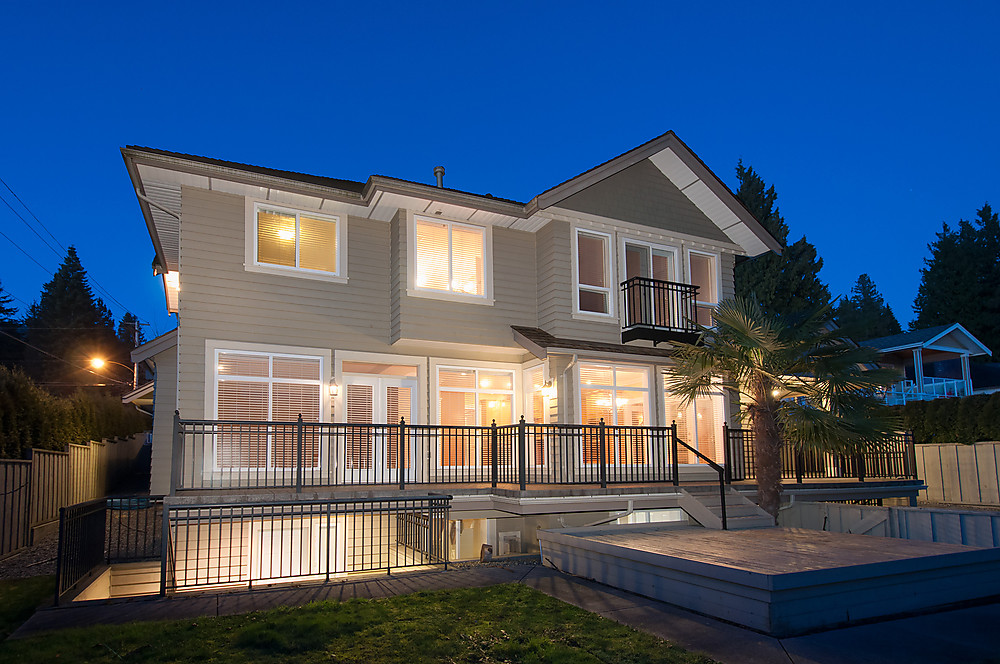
(959, 282)
(864, 314)
(10, 348)
(70, 323)
(788, 285)
(127, 328)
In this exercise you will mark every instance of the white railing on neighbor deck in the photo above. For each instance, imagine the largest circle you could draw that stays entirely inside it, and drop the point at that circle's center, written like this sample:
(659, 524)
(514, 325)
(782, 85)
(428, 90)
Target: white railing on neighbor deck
(932, 388)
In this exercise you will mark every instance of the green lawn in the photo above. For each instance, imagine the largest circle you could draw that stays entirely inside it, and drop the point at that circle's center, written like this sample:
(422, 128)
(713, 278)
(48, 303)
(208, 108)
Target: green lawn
(20, 597)
(508, 623)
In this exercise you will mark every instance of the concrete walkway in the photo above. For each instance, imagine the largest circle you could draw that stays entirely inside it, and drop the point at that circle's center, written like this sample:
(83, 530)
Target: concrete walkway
(965, 635)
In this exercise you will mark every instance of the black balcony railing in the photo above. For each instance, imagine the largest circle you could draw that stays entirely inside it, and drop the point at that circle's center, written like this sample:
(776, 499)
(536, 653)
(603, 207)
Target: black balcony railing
(657, 310)
(894, 459)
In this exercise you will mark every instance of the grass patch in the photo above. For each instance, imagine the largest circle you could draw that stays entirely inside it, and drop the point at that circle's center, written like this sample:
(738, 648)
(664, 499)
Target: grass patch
(508, 623)
(20, 597)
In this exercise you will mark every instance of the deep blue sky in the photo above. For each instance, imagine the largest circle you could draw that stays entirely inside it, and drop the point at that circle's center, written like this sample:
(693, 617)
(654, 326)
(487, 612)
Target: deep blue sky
(874, 121)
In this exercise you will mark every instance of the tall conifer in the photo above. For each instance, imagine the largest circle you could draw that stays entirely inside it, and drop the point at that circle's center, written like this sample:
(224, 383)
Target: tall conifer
(864, 314)
(787, 285)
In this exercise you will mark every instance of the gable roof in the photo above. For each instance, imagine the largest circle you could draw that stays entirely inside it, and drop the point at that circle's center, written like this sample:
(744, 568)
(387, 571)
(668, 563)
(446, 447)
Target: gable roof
(679, 164)
(927, 338)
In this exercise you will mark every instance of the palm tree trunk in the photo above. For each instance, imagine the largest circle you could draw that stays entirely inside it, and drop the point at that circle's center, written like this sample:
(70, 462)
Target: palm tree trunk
(767, 453)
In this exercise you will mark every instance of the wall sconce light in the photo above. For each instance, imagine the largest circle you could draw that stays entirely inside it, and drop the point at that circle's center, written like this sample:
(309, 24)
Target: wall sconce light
(334, 389)
(548, 390)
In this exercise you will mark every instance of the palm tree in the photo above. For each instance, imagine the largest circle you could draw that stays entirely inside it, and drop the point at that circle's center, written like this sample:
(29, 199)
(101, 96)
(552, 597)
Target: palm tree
(798, 384)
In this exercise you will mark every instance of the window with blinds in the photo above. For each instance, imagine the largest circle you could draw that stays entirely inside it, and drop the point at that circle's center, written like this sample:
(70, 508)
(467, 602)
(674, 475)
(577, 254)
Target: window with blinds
(593, 272)
(620, 396)
(300, 240)
(473, 397)
(263, 394)
(699, 424)
(450, 257)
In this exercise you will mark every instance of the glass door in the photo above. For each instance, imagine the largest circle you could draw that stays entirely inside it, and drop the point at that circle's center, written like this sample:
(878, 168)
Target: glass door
(651, 304)
(371, 455)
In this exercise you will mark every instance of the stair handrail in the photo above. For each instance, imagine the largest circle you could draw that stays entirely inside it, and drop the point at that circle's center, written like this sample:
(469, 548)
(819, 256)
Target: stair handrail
(716, 467)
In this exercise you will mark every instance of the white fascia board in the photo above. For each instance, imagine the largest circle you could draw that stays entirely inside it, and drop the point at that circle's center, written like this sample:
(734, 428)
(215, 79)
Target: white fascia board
(155, 346)
(957, 327)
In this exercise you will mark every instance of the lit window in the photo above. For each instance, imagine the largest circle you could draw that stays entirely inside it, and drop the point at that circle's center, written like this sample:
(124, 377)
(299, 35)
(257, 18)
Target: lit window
(620, 396)
(703, 276)
(593, 272)
(696, 424)
(301, 240)
(450, 257)
(473, 397)
(265, 387)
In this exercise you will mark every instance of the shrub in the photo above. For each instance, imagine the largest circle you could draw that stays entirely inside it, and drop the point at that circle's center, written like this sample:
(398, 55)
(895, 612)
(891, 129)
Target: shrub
(31, 417)
(966, 420)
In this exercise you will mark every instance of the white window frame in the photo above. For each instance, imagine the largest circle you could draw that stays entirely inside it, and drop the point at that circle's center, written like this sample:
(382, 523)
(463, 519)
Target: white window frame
(512, 392)
(251, 263)
(716, 258)
(437, 294)
(650, 376)
(652, 246)
(717, 398)
(320, 383)
(609, 276)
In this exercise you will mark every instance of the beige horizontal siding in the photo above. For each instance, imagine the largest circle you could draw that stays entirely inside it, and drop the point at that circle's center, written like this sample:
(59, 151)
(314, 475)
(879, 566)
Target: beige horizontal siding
(164, 405)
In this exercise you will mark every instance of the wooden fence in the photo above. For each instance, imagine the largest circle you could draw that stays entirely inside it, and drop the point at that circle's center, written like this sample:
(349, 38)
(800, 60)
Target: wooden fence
(960, 474)
(32, 491)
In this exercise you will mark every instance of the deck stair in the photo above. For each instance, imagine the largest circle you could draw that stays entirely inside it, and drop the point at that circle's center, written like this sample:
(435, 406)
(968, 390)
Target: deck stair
(703, 503)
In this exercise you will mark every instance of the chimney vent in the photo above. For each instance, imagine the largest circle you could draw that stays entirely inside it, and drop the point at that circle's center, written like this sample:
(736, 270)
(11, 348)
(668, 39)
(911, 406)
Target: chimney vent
(439, 174)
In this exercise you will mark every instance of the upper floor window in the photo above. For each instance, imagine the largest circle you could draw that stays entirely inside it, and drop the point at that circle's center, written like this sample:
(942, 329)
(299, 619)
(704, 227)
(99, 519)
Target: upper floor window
(704, 275)
(297, 240)
(450, 257)
(593, 272)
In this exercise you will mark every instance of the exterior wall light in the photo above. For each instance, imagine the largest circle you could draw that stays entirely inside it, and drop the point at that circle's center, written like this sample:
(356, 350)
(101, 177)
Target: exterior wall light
(334, 389)
(549, 390)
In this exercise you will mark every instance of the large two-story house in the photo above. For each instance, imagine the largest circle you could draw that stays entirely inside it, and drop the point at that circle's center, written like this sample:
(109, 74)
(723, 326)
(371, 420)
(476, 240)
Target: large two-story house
(337, 337)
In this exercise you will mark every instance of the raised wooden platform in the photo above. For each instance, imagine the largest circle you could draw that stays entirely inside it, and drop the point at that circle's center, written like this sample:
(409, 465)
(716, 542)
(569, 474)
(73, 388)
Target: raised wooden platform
(780, 581)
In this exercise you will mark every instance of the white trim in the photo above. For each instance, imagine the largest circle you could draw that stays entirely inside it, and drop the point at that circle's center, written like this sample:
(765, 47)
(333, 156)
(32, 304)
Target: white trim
(413, 290)
(213, 346)
(716, 259)
(251, 264)
(418, 361)
(436, 363)
(609, 275)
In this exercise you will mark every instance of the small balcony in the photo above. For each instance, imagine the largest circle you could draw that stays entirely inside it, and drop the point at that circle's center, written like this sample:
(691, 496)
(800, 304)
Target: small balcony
(906, 391)
(657, 311)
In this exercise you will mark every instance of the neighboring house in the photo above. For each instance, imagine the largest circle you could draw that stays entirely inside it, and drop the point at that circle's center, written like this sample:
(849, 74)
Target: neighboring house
(355, 305)
(934, 362)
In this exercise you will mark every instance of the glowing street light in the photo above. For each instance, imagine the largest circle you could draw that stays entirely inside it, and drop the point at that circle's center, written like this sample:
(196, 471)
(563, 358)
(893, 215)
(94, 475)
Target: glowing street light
(98, 363)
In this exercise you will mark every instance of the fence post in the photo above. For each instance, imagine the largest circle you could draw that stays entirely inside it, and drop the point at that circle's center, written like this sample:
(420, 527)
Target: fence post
(522, 454)
(602, 454)
(673, 453)
(177, 458)
(59, 552)
(726, 453)
(493, 453)
(861, 466)
(401, 453)
(800, 461)
(298, 455)
(911, 455)
(164, 548)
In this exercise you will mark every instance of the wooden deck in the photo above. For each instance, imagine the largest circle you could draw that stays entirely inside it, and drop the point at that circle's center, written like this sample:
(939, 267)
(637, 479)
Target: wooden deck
(775, 550)
(779, 581)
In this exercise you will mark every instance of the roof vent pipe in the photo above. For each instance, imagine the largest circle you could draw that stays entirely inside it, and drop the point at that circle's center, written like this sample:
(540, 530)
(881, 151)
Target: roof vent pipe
(439, 174)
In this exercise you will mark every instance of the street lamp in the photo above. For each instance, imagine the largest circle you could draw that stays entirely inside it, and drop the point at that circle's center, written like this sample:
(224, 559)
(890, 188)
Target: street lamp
(98, 363)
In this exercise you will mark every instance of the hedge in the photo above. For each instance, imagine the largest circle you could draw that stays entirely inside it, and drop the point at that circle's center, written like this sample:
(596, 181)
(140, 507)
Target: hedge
(31, 417)
(965, 420)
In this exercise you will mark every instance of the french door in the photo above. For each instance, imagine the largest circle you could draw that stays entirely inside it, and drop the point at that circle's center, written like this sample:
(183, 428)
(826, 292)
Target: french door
(643, 260)
(372, 453)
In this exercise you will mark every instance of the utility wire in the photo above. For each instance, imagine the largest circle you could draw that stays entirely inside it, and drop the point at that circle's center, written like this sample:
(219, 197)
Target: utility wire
(62, 359)
(16, 245)
(30, 228)
(94, 281)
(32, 214)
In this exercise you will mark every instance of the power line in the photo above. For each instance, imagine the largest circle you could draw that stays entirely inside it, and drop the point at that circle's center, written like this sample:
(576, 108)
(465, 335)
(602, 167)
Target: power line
(25, 222)
(94, 281)
(62, 359)
(32, 214)
(18, 247)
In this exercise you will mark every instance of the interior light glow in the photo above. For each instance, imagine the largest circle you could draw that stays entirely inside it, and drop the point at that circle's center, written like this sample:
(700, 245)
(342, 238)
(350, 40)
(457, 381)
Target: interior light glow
(286, 235)
(172, 280)
(484, 383)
